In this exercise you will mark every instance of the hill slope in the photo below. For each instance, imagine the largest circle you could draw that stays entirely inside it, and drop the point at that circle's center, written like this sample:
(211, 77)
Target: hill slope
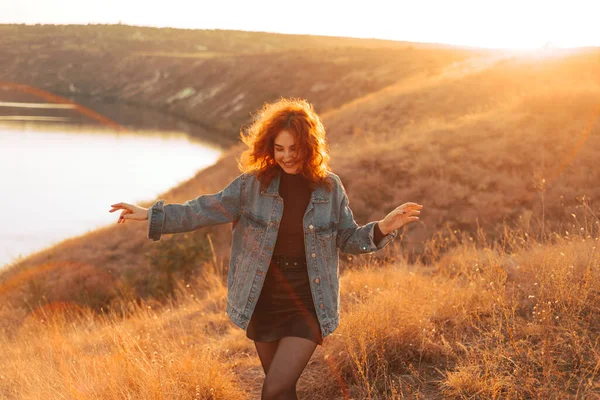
(477, 137)
(509, 139)
(212, 78)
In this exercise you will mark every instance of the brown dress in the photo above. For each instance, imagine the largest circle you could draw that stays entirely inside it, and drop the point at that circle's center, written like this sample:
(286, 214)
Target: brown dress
(285, 306)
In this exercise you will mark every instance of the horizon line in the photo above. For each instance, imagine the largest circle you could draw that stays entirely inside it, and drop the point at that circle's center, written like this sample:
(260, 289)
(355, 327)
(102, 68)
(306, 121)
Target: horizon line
(549, 46)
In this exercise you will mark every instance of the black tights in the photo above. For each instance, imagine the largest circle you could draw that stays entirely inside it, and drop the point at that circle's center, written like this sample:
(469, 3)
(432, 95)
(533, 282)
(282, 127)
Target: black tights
(283, 362)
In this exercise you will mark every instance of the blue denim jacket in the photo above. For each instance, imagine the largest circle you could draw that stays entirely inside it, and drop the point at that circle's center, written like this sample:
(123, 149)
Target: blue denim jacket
(255, 216)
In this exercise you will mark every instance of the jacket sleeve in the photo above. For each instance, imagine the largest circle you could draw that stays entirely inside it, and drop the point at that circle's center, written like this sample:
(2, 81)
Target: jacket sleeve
(355, 239)
(205, 210)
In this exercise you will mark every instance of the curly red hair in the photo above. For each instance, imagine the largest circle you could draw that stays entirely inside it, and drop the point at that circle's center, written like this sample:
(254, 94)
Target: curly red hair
(298, 117)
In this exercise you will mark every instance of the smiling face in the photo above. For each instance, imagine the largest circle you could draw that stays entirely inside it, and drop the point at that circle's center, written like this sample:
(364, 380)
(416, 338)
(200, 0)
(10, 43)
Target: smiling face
(286, 152)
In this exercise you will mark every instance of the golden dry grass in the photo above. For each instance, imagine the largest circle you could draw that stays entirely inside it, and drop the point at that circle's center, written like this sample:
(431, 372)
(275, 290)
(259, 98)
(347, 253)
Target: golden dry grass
(488, 322)
(171, 353)
(482, 321)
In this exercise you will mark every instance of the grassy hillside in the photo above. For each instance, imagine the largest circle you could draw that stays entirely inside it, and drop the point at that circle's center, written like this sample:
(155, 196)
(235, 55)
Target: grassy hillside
(492, 294)
(512, 140)
(510, 321)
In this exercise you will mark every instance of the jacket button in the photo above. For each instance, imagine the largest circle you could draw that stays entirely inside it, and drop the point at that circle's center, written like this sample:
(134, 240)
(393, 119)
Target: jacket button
(311, 227)
(317, 280)
(321, 305)
(313, 255)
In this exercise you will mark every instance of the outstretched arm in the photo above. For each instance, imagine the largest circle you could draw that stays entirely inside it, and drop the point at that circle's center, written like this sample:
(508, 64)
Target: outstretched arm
(356, 239)
(205, 210)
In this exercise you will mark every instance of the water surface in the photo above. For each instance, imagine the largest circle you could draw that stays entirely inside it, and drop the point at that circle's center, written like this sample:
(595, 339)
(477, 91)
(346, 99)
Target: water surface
(59, 181)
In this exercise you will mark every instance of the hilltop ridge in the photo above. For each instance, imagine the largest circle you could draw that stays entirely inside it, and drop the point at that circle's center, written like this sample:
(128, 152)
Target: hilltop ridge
(212, 78)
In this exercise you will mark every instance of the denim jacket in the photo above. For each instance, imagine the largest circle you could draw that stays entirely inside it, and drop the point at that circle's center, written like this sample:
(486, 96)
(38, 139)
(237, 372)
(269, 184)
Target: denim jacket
(255, 215)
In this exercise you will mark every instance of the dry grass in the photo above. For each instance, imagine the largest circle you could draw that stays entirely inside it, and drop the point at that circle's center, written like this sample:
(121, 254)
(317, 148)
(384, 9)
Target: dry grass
(168, 353)
(517, 320)
(486, 322)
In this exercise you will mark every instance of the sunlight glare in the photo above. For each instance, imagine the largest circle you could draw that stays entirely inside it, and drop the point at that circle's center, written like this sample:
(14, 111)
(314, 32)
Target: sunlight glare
(508, 24)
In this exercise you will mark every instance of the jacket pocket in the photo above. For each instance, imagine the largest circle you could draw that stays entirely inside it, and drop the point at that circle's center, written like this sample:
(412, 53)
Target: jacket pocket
(254, 232)
(326, 241)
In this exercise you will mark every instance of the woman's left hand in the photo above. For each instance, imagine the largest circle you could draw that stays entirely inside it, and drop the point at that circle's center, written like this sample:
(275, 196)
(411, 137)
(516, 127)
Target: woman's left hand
(400, 216)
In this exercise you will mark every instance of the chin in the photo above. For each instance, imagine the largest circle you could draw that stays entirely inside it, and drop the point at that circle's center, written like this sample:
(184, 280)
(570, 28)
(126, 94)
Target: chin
(293, 170)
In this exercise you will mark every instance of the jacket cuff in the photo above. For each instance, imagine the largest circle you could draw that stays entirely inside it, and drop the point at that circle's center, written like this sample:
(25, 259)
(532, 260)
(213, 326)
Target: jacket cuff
(367, 242)
(156, 219)
(379, 240)
(377, 234)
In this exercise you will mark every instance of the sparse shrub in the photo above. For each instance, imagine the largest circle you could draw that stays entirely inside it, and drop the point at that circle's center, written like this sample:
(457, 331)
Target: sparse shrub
(176, 257)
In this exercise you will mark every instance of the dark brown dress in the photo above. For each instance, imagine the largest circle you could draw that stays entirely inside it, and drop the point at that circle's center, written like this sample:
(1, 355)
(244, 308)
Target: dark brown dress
(285, 306)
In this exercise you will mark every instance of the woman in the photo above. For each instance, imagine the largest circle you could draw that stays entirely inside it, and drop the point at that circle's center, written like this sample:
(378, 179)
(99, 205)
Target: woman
(289, 216)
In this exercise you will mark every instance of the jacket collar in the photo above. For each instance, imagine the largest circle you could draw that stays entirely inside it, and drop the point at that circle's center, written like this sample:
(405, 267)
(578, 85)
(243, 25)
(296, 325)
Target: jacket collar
(318, 195)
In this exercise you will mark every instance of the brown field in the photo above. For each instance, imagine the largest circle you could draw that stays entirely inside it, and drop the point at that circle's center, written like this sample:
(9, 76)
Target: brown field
(493, 294)
(517, 320)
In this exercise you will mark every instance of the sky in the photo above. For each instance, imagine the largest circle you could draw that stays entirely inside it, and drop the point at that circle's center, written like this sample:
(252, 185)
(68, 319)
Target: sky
(515, 24)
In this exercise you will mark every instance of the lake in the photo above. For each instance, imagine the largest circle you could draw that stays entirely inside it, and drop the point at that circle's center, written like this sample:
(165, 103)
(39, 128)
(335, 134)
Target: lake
(58, 181)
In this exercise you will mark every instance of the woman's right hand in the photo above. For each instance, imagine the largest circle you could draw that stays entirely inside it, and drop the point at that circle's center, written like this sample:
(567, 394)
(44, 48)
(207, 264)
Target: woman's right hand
(130, 211)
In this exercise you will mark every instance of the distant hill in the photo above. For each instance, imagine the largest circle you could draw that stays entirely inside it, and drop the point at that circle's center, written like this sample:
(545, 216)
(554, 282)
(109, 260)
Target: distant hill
(211, 77)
